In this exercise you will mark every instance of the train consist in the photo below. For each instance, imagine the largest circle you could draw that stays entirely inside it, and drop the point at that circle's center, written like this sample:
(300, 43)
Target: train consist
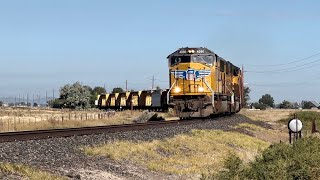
(201, 84)
(142, 100)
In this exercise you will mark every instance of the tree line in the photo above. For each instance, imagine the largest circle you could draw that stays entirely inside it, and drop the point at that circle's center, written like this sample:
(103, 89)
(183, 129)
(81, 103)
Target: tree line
(267, 101)
(78, 96)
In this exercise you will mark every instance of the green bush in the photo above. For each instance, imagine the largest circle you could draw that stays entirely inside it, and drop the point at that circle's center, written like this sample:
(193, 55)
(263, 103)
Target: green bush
(279, 161)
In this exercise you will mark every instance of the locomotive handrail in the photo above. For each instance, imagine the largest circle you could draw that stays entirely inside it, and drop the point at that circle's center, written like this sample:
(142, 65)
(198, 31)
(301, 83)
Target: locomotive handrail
(205, 82)
(168, 94)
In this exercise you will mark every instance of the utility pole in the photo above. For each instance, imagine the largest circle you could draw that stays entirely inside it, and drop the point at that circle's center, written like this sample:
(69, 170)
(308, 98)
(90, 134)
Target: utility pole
(46, 98)
(152, 82)
(15, 101)
(126, 85)
(53, 94)
(27, 99)
(32, 100)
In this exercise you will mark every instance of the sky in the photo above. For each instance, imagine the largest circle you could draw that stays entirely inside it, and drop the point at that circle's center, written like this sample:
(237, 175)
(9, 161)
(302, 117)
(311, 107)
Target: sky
(47, 44)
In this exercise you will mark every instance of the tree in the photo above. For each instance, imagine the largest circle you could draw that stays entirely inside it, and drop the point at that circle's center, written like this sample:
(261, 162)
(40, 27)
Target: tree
(267, 99)
(158, 88)
(76, 96)
(259, 106)
(1, 103)
(246, 92)
(98, 90)
(306, 105)
(94, 94)
(286, 105)
(117, 90)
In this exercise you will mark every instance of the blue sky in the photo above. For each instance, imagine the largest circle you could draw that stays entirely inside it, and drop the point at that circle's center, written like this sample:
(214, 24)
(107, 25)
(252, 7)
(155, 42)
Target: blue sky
(46, 44)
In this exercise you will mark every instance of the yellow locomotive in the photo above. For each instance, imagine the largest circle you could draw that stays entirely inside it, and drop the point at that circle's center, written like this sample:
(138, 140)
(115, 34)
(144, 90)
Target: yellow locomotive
(203, 84)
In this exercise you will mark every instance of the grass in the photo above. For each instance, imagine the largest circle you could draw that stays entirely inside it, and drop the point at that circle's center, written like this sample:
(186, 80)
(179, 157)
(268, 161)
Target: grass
(195, 153)
(250, 127)
(279, 161)
(272, 115)
(22, 120)
(27, 172)
(306, 117)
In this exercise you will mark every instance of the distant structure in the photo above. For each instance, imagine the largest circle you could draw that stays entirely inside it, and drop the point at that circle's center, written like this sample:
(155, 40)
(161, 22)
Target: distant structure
(315, 104)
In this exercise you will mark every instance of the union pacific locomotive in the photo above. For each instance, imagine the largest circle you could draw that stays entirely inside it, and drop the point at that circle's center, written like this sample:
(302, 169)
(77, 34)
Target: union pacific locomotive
(201, 84)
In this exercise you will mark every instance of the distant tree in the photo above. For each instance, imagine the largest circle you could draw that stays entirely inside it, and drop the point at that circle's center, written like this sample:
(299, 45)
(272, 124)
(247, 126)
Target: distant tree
(57, 103)
(1, 103)
(286, 105)
(267, 99)
(132, 90)
(76, 95)
(259, 106)
(306, 105)
(98, 90)
(246, 95)
(88, 87)
(94, 94)
(35, 104)
(296, 105)
(158, 88)
(117, 90)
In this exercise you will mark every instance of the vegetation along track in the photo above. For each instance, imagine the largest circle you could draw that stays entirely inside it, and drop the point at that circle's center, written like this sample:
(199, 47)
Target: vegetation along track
(67, 132)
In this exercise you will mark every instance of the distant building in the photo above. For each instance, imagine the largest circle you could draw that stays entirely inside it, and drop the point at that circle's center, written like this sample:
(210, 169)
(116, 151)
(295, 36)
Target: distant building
(315, 103)
(310, 105)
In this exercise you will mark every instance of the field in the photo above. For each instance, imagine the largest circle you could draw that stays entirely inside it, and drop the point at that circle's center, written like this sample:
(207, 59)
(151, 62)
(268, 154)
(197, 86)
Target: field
(201, 153)
(20, 119)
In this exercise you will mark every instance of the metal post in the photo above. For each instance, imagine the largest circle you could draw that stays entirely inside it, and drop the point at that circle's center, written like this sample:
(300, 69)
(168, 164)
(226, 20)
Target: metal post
(131, 106)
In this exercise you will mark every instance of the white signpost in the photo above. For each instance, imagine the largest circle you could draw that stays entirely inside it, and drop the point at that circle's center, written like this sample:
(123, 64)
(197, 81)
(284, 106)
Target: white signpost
(295, 127)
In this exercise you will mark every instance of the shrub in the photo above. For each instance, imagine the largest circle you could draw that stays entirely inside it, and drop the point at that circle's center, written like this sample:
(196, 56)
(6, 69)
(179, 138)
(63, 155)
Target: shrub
(279, 161)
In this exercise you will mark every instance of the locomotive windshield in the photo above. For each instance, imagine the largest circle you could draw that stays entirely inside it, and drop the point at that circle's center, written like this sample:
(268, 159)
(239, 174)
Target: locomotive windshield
(179, 59)
(207, 60)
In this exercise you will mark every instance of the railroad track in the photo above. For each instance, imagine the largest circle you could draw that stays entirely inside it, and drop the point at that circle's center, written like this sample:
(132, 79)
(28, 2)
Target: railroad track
(66, 132)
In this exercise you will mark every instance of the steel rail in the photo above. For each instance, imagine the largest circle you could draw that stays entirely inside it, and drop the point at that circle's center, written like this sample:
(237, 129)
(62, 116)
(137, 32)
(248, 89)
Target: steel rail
(67, 132)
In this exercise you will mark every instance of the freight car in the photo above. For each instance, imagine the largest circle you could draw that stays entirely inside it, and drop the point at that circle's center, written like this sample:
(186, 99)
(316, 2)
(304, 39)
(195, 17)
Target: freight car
(142, 100)
(201, 84)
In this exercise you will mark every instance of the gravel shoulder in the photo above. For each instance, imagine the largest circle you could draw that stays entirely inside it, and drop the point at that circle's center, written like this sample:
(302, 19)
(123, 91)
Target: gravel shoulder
(64, 156)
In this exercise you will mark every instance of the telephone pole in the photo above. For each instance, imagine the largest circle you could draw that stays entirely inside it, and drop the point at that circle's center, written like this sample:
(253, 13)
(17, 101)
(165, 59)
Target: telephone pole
(152, 82)
(46, 97)
(126, 85)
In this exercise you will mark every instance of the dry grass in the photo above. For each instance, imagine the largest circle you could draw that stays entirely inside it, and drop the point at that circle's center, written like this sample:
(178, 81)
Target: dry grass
(269, 135)
(267, 115)
(27, 172)
(191, 154)
(271, 115)
(30, 119)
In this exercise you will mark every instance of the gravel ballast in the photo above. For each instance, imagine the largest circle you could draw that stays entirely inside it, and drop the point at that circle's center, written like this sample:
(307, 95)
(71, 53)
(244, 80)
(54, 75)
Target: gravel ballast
(64, 155)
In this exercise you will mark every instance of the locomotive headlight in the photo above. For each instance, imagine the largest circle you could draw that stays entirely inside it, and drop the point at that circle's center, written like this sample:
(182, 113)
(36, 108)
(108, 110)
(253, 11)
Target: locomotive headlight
(176, 89)
(200, 89)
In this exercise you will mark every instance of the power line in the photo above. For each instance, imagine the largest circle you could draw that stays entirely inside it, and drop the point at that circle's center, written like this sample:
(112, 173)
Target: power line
(290, 69)
(282, 64)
